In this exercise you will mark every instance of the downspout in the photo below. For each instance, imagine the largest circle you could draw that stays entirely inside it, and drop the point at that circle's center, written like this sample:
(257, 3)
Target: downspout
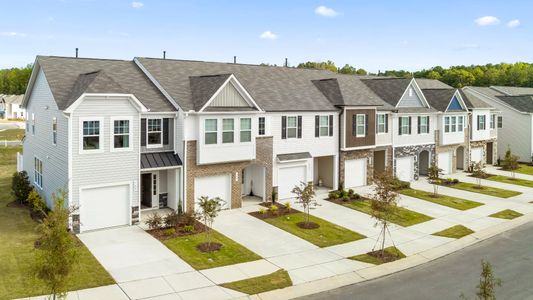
(393, 167)
(184, 169)
(340, 137)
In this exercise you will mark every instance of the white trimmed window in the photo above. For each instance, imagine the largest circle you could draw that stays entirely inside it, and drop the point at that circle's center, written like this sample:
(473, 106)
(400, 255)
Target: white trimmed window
(382, 123)
(228, 128)
(323, 126)
(38, 172)
(446, 124)
(121, 134)
(481, 122)
(500, 122)
(460, 123)
(210, 131)
(292, 127)
(360, 125)
(54, 131)
(246, 130)
(492, 121)
(454, 124)
(91, 135)
(424, 125)
(154, 132)
(261, 126)
(404, 126)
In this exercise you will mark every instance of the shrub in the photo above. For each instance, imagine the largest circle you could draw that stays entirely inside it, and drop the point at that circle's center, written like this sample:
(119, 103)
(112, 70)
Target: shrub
(262, 211)
(188, 228)
(333, 195)
(187, 218)
(341, 185)
(20, 186)
(288, 205)
(351, 192)
(37, 203)
(397, 184)
(346, 198)
(171, 220)
(154, 221)
(455, 181)
(169, 231)
(355, 196)
(274, 209)
(274, 196)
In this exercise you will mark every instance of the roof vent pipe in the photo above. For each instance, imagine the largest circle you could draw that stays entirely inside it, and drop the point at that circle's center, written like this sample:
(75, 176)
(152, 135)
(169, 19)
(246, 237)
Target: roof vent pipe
(286, 62)
(234, 59)
(76, 52)
(164, 54)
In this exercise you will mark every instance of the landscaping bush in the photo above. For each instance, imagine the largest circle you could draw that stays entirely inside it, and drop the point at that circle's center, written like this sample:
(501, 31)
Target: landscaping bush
(154, 221)
(187, 218)
(188, 228)
(274, 209)
(288, 205)
(20, 186)
(455, 181)
(262, 211)
(333, 195)
(398, 184)
(37, 203)
(171, 220)
(169, 231)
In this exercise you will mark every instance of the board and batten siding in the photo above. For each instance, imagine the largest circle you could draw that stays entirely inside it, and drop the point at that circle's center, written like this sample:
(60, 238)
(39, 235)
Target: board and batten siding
(105, 168)
(412, 100)
(171, 135)
(229, 97)
(40, 145)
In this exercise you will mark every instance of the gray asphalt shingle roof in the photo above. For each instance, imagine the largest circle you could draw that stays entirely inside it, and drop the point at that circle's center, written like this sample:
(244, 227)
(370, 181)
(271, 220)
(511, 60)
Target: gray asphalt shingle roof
(514, 90)
(426, 83)
(473, 100)
(388, 89)
(522, 103)
(204, 87)
(69, 77)
(439, 98)
(348, 90)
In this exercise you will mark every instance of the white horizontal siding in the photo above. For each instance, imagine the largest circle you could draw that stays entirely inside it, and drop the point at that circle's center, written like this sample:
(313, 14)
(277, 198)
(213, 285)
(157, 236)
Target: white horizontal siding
(414, 138)
(479, 135)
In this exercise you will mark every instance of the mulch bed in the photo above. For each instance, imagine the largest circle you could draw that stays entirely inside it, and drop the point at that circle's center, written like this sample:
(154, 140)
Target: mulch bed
(282, 211)
(16, 204)
(307, 225)
(341, 201)
(180, 231)
(384, 257)
(209, 247)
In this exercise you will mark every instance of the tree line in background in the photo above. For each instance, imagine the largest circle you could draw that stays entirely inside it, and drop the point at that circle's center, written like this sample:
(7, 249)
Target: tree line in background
(15, 80)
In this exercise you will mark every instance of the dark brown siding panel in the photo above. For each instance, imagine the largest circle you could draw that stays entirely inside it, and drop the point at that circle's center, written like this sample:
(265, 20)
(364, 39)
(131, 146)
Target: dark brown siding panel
(370, 138)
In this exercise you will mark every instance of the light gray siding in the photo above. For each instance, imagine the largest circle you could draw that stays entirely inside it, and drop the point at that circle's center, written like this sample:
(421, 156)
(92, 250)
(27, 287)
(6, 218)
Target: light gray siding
(179, 135)
(54, 157)
(105, 167)
(411, 100)
(229, 97)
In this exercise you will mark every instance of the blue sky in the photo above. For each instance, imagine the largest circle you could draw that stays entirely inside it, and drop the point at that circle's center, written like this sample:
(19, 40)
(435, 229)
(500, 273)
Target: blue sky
(375, 35)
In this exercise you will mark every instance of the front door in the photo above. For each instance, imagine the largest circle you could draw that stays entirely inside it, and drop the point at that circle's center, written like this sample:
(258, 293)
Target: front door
(146, 190)
(489, 153)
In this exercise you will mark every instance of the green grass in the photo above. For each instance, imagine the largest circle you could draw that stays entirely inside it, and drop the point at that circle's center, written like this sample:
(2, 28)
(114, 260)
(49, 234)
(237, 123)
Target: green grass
(453, 202)
(277, 280)
(374, 260)
(17, 251)
(510, 180)
(230, 253)
(403, 216)
(525, 169)
(12, 134)
(487, 190)
(508, 214)
(327, 234)
(455, 232)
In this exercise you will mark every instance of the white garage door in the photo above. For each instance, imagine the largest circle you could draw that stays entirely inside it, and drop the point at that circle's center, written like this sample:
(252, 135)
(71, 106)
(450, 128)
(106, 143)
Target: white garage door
(213, 186)
(104, 207)
(476, 155)
(445, 162)
(288, 178)
(404, 168)
(355, 172)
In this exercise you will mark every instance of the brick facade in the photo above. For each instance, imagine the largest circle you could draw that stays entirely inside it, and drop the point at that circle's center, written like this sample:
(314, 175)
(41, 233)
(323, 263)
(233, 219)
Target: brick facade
(263, 157)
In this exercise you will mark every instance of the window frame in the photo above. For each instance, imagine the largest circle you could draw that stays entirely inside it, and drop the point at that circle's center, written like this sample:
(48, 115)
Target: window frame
(54, 131)
(499, 122)
(38, 172)
(453, 127)
(492, 121)
(148, 132)
(232, 130)
(289, 127)
(321, 126)
(479, 120)
(261, 126)
(357, 125)
(210, 131)
(461, 123)
(249, 130)
(402, 126)
(426, 126)
(380, 124)
(100, 134)
(112, 134)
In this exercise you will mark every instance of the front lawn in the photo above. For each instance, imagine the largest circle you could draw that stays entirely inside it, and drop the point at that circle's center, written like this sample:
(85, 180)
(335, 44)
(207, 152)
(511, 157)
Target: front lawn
(455, 232)
(450, 201)
(12, 134)
(17, 246)
(510, 180)
(277, 280)
(487, 190)
(392, 253)
(328, 234)
(230, 253)
(524, 169)
(403, 216)
(508, 214)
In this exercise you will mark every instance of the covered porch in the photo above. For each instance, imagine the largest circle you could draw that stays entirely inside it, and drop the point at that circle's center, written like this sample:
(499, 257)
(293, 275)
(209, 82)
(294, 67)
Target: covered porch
(160, 181)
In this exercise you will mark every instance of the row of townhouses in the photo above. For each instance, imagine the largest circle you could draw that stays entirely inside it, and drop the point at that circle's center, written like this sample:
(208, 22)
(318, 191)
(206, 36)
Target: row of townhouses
(127, 136)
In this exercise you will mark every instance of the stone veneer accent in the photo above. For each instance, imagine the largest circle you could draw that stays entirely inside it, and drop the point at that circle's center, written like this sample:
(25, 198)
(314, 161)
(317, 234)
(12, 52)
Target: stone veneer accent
(364, 153)
(414, 151)
(263, 156)
(75, 223)
(134, 215)
(483, 144)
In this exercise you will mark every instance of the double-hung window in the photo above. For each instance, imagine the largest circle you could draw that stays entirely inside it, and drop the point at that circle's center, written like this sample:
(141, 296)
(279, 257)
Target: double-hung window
(292, 127)
(424, 125)
(91, 135)
(210, 131)
(360, 125)
(323, 126)
(481, 122)
(454, 124)
(460, 123)
(246, 130)
(492, 121)
(38, 172)
(54, 131)
(446, 124)
(228, 128)
(404, 126)
(500, 122)
(154, 132)
(261, 126)
(121, 134)
(382, 123)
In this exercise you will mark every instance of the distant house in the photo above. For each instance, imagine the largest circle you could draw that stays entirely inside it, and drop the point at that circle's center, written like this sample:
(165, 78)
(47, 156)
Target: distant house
(10, 107)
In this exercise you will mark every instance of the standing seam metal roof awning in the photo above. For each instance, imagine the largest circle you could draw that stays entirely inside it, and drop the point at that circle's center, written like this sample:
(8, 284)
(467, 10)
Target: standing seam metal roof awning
(157, 160)
(293, 156)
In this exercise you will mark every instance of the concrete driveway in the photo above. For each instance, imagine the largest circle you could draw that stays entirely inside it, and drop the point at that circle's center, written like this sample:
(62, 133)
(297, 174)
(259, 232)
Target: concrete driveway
(129, 253)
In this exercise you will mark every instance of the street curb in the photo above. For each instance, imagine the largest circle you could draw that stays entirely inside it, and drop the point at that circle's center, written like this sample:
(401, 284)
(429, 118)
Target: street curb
(366, 274)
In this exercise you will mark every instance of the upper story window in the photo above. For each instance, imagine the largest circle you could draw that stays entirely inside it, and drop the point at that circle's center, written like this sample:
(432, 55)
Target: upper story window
(404, 125)
(453, 124)
(423, 124)
(492, 121)
(91, 135)
(210, 131)
(246, 130)
(481, 119)
(121, 134)
(323, 126)
(33, 124)
(460, 123)
(154, 132)
(54, 131)
(261, 126)
(292, 127)
(38, 172)
(382, 126)
(500, 122)
(228, 127)
(360, 125)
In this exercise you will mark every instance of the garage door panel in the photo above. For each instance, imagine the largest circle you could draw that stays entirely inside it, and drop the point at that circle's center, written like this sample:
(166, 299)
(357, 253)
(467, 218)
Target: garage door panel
(476, 155)
(212, 187)
(288, 178)
(445, 162)
(104, 207)
(355, 172)
(404, 168)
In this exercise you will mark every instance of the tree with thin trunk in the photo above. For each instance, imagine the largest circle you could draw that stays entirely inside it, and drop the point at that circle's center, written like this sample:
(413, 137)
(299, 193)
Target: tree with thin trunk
(510, 162)
(209, 209)
(305, 195)
(433, 178)
(57, 253)
(478, 172)
(487, 282)
(384, 203)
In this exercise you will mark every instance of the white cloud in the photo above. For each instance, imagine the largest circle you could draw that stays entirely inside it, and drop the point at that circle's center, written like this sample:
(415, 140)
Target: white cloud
(12, 33)
(268, 35)
(136, 4)
(325, 11)
(513, 23)
(487, 21)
